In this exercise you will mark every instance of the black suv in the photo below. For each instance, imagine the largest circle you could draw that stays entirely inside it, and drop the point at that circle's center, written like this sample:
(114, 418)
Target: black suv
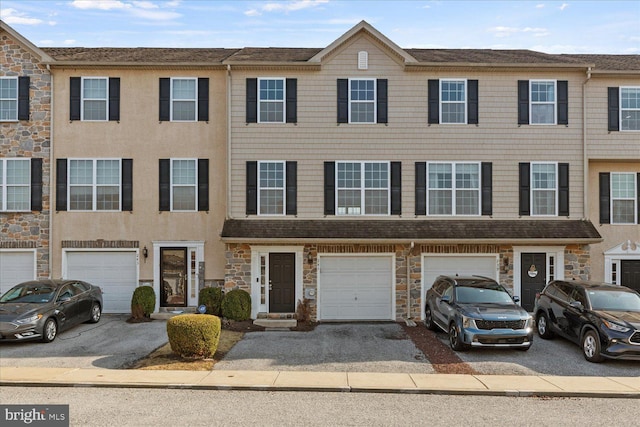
(477, 312)
(603, 319)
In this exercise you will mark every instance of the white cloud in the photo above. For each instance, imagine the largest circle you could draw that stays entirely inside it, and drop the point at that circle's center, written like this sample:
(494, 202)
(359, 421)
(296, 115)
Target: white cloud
(69, 42)
(12, 16)
(540, 6)
(510, 31)
(139, 8)
(290, 6)
(563, 6)
(145, 5)
(252, 12)
(99, 4)
(52, 23)
(155, 15)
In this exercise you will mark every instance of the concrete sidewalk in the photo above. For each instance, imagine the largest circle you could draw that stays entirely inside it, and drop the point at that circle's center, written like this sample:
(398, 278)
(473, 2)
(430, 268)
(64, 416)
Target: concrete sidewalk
(494, 385)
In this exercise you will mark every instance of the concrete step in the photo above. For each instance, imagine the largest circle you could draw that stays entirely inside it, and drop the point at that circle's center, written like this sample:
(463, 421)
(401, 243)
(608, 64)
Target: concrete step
(276, 323)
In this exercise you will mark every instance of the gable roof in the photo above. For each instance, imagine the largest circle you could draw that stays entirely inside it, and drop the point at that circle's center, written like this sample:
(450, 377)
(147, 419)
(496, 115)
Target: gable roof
(139, 55)
(44, 57)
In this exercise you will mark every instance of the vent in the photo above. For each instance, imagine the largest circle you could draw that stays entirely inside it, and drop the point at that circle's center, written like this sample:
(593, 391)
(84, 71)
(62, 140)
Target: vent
(363, 60)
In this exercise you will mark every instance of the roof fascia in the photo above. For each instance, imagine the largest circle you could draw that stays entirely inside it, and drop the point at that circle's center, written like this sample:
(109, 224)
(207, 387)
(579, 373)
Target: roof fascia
(145, 65)
(559, 241)
(467, 65)
(44, 58)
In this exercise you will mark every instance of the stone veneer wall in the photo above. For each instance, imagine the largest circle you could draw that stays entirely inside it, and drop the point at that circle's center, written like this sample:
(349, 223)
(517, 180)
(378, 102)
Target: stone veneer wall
(577, 262)
(28, 139)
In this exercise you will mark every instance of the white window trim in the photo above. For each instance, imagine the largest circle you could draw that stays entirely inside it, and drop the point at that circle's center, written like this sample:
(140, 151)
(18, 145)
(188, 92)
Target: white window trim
(629, 250)
(454, 188)
(83, 99)
(634, 199)
(626, 109)
(283, 102)
(4, 185)
(172, 185)
(94, 186)
(194, 100)
(363, 188)
(283, 189)
(532, 190)
(375, 101)
(554, 103)
(12, 99)
(466, 99)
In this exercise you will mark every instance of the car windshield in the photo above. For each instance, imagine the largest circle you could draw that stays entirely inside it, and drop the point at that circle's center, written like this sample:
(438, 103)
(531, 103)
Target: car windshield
(614, 300)
(31, 293)
(474, 295)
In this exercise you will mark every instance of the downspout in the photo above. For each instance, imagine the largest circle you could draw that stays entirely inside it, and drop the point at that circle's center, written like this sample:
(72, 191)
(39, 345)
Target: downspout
(408, 320)
(51, 163)
(228, 214)
(585, 154)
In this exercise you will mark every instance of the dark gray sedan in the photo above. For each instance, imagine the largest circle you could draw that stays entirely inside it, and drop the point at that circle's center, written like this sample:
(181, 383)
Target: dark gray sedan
(42, 308)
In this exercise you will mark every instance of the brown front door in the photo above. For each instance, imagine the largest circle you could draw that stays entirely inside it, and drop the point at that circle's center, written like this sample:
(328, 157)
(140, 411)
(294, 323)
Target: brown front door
(630, 273)
(533, 277)
(173, 277)
(282, 278)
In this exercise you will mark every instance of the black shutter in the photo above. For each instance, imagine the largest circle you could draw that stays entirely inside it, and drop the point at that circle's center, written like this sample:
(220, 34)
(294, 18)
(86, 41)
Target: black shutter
(525, 187)
(292, 188)
(165, 185)
(36, 184)
(114, 98)
(203, 100)
(396, 188)
(292, 101)
(487, 188)
(563, 189)
(605, 198)
(472, 102)
(252, 188)
(421, 188)
(523, 102)
(563, 102)
(23, 98)
(434, 101)
(127, 185)
(329, 188)
(75, 84)
(614, 109)
(203, 184)
(61, 184)
(252, 101)
(343, 104)
(165, 100)
(382, 102)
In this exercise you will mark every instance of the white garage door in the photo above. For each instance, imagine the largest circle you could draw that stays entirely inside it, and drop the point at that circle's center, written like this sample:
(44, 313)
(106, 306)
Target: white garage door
(435, 265)
(16, 267)
(356, 288)
(114, 272)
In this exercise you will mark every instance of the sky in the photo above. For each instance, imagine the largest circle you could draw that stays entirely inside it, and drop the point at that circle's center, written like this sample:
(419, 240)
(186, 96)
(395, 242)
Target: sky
(548, 26)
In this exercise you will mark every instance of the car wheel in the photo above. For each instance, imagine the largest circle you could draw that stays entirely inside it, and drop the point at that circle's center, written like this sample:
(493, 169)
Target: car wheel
(50, 330)
(542, 324)
(428, 319)
(455, 340)
(591, 346)
(96, 313)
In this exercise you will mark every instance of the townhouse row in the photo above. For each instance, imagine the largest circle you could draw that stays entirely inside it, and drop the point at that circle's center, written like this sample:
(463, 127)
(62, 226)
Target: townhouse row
(346, 177)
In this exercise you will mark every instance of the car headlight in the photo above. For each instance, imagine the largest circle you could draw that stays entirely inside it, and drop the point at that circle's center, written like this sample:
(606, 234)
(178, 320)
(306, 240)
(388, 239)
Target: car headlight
(468, 322)
(529, 323)
(30, 319)
(615, 326)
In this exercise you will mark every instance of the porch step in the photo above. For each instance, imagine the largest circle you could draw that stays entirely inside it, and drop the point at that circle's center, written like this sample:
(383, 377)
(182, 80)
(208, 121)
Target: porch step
(165, 313)
(276, 323)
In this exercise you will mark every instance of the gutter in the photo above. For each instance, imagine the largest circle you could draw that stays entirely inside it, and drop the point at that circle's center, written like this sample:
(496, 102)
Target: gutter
(51, 163)
(585, 154)
(228, 213)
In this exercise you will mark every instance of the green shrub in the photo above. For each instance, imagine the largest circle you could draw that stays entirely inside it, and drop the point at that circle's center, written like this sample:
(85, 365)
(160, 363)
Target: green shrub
(194, 335)
(143, 301)
(212, 299)
(236, 305)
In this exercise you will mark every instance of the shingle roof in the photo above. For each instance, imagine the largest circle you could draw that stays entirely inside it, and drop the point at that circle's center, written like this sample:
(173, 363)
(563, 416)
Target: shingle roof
(486, 56)
(418, 230)
(139, 54)
(273, 54)
(609, 62)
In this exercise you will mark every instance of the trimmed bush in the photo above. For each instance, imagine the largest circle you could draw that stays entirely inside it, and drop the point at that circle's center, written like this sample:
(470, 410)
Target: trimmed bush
(236, 305)
(194, 335)
(143, 302)
(212, 299)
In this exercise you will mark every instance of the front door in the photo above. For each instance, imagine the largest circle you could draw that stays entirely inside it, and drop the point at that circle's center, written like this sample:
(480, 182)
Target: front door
(282, 278)
(533, 277)
(630, 273)
(173, 277)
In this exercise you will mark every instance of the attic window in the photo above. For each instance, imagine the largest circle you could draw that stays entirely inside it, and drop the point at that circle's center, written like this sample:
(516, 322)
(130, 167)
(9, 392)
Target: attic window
(363, 60)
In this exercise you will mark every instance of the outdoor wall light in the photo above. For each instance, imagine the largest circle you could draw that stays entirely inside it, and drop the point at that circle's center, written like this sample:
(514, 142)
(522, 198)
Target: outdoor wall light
(145, 252)
(309, 257)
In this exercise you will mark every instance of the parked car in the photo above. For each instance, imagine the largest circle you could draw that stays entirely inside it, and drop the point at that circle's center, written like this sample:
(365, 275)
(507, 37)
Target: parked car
(42, 308)
(603, 319)
(477, 312)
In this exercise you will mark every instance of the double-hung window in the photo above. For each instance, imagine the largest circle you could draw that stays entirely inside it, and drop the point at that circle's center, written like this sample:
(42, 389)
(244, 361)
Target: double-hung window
(184, 98)
(95, 96)
(630, 108)
(362, 100)
(624, 198)
(453, 101)
(8, 99)
(542, 102)
(271, 102)
(544, 189)
(94, 184)
(453, 188)
(363, 188)
(184, 184)
(271, 188)
(15, 190)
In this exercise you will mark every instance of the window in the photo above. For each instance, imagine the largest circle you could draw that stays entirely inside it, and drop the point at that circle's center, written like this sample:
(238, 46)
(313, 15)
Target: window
(453, 188)
(453, 101)
(183, 184)
(362, 188)
(543, 188)
(543, 102)
(624, 196)
(271, 106)
(183, 99)
(362, 101)
(15, 189)
(271, 192)
(94, 184)
(95, 95)
(630, 108)
(8, 99)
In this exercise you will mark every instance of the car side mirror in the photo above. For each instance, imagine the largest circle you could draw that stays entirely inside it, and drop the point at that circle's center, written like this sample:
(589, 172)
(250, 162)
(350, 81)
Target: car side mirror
(516, 298)
(446, 299)
(64, 298)
(577, 304)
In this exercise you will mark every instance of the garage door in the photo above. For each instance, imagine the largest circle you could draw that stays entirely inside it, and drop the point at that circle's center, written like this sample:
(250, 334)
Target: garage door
(356, 288)
(16, 267)
(114, 272)
(481, 265)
